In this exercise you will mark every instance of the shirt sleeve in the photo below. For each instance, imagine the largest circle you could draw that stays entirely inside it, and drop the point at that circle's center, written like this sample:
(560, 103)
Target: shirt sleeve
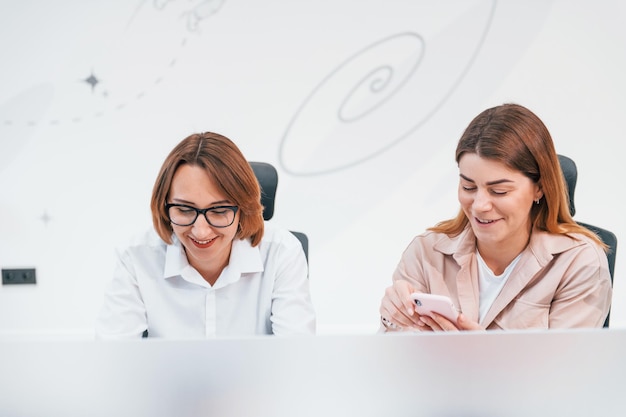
(123, 313)
(292, 309)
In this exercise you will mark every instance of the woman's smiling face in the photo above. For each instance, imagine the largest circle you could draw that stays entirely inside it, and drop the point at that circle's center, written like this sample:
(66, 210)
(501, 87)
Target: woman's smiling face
(207, 247)
(497, 201)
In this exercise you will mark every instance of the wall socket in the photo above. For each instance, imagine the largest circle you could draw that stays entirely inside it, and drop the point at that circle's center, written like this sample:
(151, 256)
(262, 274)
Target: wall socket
(19, 276)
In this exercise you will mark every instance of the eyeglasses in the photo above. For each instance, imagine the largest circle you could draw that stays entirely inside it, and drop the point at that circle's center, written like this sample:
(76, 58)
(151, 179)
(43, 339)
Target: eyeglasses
(219, 216)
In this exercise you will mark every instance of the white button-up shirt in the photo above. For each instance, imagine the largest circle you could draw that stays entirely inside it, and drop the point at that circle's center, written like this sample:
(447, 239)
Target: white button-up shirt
(262, 290)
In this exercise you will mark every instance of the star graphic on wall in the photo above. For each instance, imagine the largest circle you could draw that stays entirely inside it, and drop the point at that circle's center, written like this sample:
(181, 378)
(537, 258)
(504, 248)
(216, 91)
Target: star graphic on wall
(127, 43)
(92, 81)
(45, 218)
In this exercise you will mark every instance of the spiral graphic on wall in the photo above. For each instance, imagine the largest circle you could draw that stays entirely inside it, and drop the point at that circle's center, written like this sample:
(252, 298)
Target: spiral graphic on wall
(381, 94)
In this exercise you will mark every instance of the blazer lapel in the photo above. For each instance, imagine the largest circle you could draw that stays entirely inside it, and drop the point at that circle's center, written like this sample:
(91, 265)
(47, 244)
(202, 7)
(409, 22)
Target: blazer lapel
(467, 285)
(463, 250)
(520, 277)
(534, 258)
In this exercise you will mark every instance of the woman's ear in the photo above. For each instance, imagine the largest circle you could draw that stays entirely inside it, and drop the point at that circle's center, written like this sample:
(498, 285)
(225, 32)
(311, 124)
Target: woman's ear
(538, 196)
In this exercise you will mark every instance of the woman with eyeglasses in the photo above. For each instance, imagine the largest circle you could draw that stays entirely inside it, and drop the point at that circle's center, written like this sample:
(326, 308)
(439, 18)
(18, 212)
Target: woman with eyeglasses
(513, 257)
(211, 267)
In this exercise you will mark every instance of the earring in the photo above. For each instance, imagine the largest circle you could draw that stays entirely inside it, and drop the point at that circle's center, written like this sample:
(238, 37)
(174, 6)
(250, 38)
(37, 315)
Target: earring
(537, 201)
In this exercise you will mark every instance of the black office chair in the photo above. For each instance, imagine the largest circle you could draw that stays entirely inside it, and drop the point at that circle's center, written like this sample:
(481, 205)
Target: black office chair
(268, 180)
(570, 172)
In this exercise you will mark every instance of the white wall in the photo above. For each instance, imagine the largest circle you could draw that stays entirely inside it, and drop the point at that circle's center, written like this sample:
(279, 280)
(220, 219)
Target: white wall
(362, 170)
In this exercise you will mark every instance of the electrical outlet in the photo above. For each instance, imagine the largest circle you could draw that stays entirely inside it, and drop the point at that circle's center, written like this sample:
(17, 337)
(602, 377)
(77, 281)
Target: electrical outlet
(19, 276)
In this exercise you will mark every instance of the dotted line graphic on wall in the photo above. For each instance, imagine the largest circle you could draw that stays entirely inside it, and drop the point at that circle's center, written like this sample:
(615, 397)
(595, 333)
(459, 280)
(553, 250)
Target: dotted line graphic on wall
(98, 63)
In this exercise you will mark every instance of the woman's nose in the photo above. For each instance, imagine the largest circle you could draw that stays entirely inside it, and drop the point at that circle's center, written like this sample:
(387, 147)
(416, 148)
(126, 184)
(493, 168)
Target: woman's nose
(201, 225)
(482, 201)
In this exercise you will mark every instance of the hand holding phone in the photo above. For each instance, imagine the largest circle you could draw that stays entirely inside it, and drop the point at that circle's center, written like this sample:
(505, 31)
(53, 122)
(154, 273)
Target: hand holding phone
(426, 304)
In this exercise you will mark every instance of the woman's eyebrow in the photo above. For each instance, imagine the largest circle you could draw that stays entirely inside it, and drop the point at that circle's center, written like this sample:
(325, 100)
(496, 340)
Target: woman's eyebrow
(466, 178)
(191, 203)
(496, 182)
(182, 201)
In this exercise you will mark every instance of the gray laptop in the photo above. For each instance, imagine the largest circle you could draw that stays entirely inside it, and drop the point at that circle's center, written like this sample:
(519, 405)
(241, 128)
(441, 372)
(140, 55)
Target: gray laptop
(472, 374)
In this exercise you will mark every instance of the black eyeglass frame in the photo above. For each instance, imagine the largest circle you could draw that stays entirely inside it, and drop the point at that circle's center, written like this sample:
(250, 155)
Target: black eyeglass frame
(201, 211)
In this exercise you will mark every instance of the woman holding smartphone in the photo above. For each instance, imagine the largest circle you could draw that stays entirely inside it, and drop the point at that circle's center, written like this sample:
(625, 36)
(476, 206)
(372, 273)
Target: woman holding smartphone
(210, 266)
(513, 257)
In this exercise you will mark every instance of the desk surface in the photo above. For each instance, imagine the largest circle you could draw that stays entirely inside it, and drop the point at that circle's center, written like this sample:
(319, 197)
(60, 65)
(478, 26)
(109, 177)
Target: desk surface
(569, 373)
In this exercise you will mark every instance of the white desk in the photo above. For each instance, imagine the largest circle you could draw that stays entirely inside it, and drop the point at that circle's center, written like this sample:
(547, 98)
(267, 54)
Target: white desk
(575, 373)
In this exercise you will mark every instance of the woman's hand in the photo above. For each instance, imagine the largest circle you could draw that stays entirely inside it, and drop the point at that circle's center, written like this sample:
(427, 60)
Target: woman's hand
(398, 311)
(397, 307)
(440, 323)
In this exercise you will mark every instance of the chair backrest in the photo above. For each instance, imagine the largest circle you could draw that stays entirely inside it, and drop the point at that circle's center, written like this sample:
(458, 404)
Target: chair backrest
(268, 180)
(570, 172)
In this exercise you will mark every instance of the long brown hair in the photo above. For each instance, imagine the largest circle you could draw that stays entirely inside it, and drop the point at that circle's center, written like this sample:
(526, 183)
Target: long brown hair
(515, 136)
(224, 162)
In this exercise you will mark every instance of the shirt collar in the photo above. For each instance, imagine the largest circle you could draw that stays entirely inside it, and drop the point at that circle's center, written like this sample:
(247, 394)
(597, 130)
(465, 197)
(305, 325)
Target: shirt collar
(244, 259)
(543, 245)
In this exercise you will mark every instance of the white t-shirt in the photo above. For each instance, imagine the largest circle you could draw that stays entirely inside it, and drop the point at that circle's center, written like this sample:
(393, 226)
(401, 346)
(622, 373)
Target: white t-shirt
(263, 290)
(491, 284)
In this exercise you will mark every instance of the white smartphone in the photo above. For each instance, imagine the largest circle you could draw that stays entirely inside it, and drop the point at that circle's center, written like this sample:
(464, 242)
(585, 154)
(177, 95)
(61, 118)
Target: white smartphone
(425, 304)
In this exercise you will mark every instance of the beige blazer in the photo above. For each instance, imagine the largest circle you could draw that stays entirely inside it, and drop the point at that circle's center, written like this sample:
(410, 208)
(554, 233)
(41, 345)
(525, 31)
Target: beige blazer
(559, 282)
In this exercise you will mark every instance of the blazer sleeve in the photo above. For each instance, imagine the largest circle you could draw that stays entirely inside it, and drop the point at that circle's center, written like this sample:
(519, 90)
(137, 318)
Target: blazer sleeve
(583, 296)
